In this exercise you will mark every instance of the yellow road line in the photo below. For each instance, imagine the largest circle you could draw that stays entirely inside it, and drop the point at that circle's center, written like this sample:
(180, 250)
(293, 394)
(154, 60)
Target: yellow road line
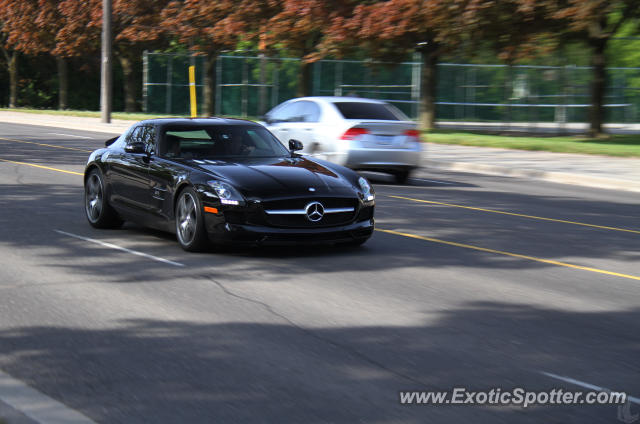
(514, 255)
(42, 167)
(517, 214)
(46, 145)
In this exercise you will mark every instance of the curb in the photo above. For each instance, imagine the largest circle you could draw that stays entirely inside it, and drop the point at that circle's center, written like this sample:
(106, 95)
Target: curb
(117, 126)
(549, 176)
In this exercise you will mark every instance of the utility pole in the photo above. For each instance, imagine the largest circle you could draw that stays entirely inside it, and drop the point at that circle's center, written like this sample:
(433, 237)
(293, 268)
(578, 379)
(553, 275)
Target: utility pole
(105, 75)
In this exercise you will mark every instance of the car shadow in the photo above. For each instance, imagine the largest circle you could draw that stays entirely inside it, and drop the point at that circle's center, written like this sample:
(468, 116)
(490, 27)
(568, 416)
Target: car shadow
(382, 179)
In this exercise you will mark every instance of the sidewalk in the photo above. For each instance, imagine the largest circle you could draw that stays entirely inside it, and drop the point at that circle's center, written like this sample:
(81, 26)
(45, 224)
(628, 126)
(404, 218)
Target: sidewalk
(117, 126)
(583, 170)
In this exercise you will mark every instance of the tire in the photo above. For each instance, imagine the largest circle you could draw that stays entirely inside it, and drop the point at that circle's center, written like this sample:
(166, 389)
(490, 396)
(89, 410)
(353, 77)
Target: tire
(190, 230)
(97, 209)
(401, 177)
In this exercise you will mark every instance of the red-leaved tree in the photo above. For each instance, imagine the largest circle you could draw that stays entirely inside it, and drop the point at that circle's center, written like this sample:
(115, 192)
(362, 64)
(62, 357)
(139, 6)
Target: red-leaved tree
(207, 27)
(392, 30)
(137, 26)
(15, 17)
(298, 27)
(32, 29)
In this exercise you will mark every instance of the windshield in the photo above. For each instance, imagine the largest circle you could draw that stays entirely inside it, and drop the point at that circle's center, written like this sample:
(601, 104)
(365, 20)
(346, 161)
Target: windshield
(219, 141)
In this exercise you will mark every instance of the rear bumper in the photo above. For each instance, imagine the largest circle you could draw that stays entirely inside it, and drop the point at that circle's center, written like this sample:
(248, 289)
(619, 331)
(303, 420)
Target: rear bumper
(383, 159)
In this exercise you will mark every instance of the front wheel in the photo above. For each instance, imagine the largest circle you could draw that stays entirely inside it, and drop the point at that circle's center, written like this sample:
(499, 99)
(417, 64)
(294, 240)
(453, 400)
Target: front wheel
(99, 213)
(190, 229)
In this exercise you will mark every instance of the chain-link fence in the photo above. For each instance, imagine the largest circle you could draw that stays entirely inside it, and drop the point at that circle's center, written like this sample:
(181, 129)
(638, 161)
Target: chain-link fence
(533, 93)
(251, 85)
(165, 82)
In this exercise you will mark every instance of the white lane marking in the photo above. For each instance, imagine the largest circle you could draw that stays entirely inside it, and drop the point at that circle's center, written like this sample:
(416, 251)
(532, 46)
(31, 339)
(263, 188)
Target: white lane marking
(432, 181)
(124, 249)
(586, 385)
(35, 405)
(71, 135)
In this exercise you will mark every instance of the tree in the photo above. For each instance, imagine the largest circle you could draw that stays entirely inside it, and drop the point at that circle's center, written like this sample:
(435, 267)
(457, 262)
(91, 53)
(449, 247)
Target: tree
(32, 30)
(11, 57)
(392, 30)
(298, 27)
(136, 26)
(514, 29)
(207, 27)
(14, 20)
(595, 22)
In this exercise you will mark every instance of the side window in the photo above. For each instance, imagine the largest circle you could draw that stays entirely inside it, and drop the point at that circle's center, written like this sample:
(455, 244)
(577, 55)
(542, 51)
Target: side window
(284, 113)
(149, 139)
(144, 134)
(134, 135)
(309, 111)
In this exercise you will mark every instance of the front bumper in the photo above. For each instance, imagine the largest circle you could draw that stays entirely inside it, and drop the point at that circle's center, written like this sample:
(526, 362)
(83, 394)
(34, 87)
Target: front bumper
(251, 224)
(223, 232)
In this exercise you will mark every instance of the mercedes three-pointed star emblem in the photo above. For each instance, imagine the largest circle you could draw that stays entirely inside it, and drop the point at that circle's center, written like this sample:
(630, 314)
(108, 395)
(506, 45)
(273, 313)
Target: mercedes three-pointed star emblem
(315, 211)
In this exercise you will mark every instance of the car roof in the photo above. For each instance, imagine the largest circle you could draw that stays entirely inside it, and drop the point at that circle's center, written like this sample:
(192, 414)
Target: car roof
(340, 99)
(196, 122)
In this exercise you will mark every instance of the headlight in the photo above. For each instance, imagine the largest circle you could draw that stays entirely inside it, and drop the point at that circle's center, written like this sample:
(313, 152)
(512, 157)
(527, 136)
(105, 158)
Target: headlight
(367, 190)
(227, 194)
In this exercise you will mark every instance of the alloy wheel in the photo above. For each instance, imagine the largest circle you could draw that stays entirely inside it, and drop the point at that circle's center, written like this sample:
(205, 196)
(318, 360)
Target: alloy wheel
(93, 197)
(187, 220)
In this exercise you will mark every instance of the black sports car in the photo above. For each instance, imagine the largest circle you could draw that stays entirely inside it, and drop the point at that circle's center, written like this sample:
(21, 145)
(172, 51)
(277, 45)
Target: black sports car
(224, 180)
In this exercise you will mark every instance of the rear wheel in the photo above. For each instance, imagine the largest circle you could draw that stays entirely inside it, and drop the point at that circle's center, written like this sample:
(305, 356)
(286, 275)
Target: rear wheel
(99, 213)
(190, 229)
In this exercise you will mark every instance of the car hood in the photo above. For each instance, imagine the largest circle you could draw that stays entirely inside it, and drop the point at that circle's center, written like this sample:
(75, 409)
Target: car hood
(274, 177)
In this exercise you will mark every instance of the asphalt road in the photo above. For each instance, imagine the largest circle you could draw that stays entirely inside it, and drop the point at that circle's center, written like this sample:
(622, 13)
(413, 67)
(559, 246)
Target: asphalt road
(447, 293)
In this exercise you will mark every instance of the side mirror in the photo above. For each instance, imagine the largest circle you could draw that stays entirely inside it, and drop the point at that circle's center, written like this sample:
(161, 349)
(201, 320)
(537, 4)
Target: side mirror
(295, 145)
(136, 147)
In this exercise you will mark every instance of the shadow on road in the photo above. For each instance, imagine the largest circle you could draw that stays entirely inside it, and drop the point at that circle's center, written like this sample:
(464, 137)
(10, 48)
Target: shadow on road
(30, 213)
(176, 371)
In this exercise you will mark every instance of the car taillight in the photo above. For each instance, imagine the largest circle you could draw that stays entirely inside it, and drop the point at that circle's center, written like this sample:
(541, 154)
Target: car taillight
(354, 132)
(412, 133)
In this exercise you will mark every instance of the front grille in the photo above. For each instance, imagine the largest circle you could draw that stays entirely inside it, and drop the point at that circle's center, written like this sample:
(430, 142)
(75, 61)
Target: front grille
(301, 221)
(300, 203)
(251, 216)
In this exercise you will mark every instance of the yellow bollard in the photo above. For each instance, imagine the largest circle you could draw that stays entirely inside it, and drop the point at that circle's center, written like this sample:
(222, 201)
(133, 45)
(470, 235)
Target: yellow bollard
(192, 91)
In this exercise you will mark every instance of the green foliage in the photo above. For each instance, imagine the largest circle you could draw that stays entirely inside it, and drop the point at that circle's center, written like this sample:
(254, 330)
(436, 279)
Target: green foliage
(624, 50)
(615, 145)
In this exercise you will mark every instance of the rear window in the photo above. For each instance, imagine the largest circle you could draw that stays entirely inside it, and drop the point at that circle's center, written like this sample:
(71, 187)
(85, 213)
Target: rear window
(362, 110)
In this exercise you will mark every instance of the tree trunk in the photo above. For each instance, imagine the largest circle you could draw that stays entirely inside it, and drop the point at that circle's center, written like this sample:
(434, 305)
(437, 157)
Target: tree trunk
(129, 84)
(13, 79)
(598, 63)
(63, 83)
(304, 79)
(428, 85)
(209, 91)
